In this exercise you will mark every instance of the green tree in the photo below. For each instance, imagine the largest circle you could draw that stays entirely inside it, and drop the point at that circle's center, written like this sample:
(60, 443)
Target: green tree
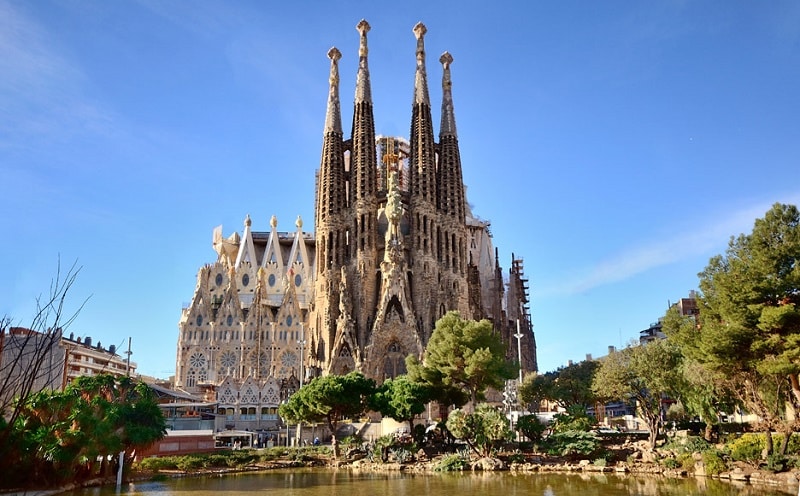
(531, 427)
(749, 322)
(482, 430)
(704, 391)
(536, 388)
(60, 435)
(568, 386)
(329, 399)
(644, 373)
(462, 355)
(401, 399)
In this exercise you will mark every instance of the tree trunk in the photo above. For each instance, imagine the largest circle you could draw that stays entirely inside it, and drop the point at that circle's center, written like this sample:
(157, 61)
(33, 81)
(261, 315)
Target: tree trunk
(708, 434)
(787, 433)
(768, 446)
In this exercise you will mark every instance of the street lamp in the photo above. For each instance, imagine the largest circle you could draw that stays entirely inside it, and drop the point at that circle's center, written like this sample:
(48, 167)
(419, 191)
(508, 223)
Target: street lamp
(518, 335)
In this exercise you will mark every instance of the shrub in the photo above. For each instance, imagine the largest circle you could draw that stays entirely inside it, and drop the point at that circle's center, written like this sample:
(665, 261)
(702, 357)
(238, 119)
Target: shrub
(713, 462)
(600, 462)
(746, 448)
(516, 457)
(450, 463)
(777, 463)
(572, 444)
(531, 427)
(574, 419)
(686, 461)
(402, 455)
(670, 463)
(187, 463)
(157, 463)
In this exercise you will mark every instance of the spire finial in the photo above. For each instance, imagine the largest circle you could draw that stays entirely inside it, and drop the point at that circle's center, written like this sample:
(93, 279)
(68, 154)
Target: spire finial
(273, 222)
(333, 118)
(421, 80)
(448, 126)
(363, 28)
(247, 221)
(363, 91)
(299, 222)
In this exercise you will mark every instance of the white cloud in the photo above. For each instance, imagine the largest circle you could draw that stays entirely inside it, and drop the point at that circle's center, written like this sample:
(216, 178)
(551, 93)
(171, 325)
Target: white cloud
(40, 88)
(708, 236)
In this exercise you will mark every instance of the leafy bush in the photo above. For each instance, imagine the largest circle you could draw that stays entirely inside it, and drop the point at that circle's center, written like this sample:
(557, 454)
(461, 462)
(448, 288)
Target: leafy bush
(600, 462)
(574, 419)
(157, 463)
(747, 448)
(450, 463)
(713, 462)
(691, 444)
(402, 455)
(187, 463)
(686, 461)
(482, 429)
(516, 457)
(572, 444)
(670, 463)
(531, 427)
(777, 463)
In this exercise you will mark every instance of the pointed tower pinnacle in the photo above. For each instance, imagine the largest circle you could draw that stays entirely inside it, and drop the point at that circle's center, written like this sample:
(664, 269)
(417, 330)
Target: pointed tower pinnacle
(448, 127)
(333, 118)
(421, 79)
(363, 91)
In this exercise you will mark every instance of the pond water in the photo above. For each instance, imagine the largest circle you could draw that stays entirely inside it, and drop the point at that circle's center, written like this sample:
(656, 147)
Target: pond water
(317, 482)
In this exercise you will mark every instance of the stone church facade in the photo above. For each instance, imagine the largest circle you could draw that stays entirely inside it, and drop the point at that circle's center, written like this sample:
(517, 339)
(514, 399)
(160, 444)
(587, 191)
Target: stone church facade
(395, 247)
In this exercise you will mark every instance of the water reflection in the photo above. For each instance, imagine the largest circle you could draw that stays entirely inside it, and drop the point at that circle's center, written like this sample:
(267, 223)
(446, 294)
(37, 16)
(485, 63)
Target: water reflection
(346, 483)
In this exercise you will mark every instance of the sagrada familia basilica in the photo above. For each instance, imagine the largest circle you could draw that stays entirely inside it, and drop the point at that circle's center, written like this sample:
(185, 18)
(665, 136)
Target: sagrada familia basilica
(395, 247)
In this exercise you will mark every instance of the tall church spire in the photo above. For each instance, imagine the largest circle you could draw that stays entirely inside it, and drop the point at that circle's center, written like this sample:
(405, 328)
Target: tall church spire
(363, 90)
(448, 126)
(364, 161)
(333, 117)
(450, 193)
(422, 160)
(331, 186)
(421, 78)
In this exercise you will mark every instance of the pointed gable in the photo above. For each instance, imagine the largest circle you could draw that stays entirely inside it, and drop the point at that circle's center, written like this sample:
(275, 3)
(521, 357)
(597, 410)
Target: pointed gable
(272, 267)
(299, 267)
(227, 392)
(271, 392)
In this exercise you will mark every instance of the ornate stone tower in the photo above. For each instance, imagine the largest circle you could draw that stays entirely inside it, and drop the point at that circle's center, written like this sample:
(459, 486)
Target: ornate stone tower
(392, 254)
(395, 247)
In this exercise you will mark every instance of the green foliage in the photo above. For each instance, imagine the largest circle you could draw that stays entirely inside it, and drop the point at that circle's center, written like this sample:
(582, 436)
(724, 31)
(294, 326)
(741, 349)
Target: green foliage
(713, 462)
(691, 444)
(670, 463)
(402, 455)
(686, 461)
(59, 436)
(450, 463)
(777, 463)
(645, 373)
(750, 316)
(516, 457)
(600, 462)
(329, 398)
(572, 444)
(400, 398)
(462, 356)
(481, 430)
(531, 427)
(574, 419)
(746, 448)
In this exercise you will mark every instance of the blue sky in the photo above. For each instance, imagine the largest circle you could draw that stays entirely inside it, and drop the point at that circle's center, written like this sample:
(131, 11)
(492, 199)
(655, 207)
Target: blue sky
(614, 146)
